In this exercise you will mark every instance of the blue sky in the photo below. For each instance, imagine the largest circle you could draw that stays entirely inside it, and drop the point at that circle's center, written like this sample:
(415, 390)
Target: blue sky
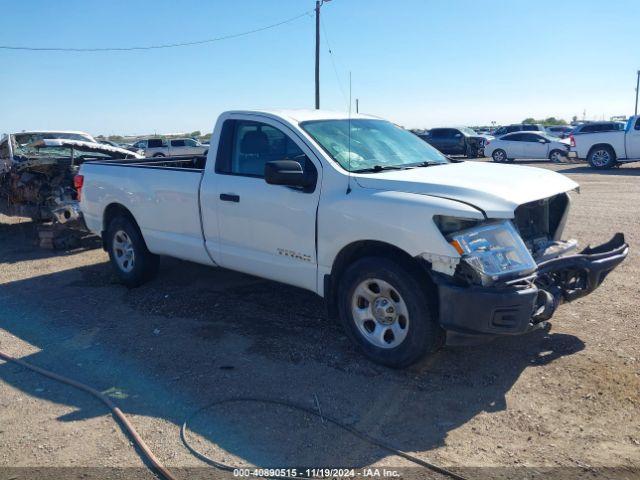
(420, 63)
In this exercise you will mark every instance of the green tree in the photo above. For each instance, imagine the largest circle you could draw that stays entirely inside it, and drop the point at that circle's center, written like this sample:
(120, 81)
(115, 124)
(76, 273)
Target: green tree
(529, 120)
(554, 121)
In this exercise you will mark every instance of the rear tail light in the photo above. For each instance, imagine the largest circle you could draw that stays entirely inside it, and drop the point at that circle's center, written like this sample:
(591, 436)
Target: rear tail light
(572, 140)
(487, 142)
(78, 182)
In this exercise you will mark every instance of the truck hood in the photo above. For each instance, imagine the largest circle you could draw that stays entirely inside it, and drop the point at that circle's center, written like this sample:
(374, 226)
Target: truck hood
(497, 190)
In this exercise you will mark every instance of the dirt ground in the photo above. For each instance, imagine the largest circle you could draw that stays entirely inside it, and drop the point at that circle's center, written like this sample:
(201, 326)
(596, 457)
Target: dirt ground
(567, 399)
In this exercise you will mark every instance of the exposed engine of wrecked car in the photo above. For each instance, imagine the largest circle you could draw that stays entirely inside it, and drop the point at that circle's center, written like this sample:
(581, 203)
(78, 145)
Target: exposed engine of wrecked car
(37, 178)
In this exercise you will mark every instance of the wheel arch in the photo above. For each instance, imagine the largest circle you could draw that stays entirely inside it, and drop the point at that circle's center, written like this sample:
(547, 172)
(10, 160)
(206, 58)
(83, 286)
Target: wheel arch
(374, 248)
(112, 211)
(603, 145)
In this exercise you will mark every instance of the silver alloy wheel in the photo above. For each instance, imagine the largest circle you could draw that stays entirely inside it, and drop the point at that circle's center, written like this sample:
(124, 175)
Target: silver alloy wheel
(556, 157)
(123, 251)
(498, 156)
(380, 313)
(600, 158)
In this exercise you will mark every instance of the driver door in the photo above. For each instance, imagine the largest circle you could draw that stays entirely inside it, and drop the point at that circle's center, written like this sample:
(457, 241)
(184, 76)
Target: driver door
(535, 146)
(264, 230)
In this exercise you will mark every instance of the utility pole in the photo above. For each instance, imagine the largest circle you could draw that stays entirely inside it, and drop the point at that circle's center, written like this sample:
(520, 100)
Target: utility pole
(357, 105)
(319, 4)
(637, 86)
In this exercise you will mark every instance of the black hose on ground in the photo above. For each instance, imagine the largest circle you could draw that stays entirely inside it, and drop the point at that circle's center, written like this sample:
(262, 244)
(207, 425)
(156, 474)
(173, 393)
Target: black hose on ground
(294, 406)
(167, 475)
(124, 422)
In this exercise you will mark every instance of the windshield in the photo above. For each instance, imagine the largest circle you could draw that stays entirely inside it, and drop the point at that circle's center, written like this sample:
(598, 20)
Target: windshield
(468, 131)
(373, 143)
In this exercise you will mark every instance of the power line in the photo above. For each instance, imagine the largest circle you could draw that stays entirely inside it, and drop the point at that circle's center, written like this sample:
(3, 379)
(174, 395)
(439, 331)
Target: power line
(157, 47)
(335, 69)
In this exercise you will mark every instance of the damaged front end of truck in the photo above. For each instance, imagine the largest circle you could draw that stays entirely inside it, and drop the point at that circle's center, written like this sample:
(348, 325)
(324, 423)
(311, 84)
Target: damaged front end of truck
(37, 172)
(512, 275)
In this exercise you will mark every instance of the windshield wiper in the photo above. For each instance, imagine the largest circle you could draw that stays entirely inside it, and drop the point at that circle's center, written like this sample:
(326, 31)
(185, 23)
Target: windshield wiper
(425, 164)
(380, 168)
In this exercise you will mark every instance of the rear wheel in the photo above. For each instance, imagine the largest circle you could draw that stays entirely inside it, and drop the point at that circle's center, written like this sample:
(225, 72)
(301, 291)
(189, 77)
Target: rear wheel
(499, 155)
(132, 261)
(602, 157)
(159, 155)
(386, 312)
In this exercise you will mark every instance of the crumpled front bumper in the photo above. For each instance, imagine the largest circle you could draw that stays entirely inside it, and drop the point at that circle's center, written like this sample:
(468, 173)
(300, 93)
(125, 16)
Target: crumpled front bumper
(474, 313)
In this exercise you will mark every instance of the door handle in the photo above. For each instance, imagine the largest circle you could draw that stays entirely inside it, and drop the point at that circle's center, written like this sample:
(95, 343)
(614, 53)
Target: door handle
(230, 197)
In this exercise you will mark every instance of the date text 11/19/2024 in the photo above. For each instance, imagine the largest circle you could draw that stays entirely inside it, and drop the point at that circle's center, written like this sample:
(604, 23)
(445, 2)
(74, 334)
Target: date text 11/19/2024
(317, 472)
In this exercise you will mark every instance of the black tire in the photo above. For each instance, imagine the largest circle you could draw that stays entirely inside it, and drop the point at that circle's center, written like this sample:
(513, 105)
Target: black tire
(499, 156)
(144, 264)
(158, 155)
(423, 336)
(555, 154)
(602, 157)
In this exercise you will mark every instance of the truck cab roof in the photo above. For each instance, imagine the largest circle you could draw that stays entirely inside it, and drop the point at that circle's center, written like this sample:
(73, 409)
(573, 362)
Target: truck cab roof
(304, 115)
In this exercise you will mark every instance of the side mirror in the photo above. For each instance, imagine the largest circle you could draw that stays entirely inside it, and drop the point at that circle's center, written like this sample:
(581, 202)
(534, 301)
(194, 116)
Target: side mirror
(542, 140)
(457, 135)
(288, 173)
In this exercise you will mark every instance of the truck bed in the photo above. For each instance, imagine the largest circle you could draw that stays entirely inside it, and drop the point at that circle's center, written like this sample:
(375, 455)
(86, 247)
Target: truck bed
(616, 139)
(161, 193)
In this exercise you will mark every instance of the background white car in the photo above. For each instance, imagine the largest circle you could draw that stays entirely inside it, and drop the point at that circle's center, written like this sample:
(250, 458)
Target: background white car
(526, 145)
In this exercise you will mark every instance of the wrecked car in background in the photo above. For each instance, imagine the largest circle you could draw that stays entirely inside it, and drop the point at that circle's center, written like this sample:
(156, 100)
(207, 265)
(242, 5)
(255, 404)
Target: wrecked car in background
(37, 170)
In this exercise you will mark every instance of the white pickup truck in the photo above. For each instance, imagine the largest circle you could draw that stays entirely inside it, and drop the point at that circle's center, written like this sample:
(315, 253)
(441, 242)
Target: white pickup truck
(608, 149)
(409, 248)
(159, 147)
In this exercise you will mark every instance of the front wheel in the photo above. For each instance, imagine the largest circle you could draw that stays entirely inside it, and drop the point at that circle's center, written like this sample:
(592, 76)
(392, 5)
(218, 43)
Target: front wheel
(157, 155)
(556, 156)
(133, 263)
(386, 312)
(602, 157)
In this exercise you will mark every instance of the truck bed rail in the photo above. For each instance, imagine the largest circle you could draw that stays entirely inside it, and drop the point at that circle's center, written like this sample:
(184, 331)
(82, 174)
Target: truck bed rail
(182, 162)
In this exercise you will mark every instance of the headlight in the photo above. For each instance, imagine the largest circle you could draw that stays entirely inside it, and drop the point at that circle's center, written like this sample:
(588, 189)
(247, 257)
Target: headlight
(493, 250)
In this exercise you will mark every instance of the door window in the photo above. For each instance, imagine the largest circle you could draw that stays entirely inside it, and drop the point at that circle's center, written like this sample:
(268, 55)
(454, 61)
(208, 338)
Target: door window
(177, 143)
(516, 137)
(155, 143)
(530, 137)
(189, 142)
(253, 145)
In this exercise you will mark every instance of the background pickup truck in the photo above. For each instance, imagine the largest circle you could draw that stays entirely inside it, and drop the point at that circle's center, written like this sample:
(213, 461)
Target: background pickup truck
(609, 148)
(408, 248)
(159, 147)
